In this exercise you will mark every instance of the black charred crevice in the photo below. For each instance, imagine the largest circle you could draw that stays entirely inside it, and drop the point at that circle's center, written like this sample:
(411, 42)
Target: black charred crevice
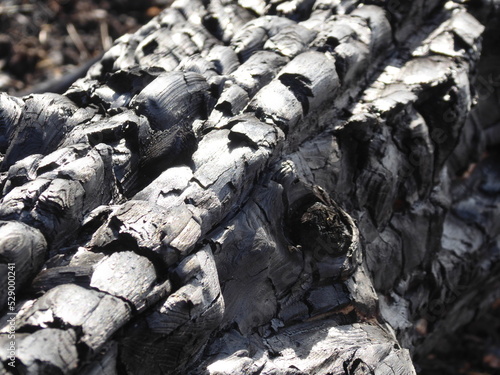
(235, 190)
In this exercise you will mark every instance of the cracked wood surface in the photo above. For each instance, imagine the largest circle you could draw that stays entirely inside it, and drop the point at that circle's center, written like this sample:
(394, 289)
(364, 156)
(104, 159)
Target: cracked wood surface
(252, 187)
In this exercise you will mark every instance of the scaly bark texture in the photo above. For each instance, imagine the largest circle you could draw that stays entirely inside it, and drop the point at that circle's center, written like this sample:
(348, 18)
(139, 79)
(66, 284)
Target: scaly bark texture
(252, 187)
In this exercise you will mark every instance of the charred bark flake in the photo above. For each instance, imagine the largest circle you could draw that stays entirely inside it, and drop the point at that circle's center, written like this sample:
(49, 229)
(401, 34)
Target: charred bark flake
(252, 188)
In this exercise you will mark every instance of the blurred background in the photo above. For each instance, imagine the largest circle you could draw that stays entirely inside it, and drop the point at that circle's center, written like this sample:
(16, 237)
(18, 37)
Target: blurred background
(43, 40)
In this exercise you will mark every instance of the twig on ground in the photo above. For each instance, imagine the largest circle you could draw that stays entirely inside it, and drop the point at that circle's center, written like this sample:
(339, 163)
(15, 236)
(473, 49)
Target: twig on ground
(77, 41)
(12, 9)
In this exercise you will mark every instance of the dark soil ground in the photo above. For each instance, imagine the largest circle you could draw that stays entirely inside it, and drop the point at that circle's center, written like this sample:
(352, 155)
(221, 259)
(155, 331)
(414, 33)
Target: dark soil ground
(46, 39)
(43, 40)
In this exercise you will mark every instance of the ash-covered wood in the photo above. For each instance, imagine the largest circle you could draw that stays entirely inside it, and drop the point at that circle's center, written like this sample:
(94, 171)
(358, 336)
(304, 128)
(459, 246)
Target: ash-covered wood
(252, 188)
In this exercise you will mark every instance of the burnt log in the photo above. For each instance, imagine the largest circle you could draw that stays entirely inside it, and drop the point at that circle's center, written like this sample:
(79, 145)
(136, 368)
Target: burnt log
(253, 188)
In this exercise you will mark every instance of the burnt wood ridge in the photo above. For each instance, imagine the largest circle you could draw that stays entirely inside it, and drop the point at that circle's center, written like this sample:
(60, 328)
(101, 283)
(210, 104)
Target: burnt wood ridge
(253, 187)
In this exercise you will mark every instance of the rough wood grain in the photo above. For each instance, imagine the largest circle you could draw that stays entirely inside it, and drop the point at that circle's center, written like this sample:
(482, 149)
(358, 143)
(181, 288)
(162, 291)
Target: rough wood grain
(256, 188)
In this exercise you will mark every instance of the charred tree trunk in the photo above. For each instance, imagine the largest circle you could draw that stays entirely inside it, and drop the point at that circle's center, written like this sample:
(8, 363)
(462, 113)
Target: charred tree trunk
(253, 188)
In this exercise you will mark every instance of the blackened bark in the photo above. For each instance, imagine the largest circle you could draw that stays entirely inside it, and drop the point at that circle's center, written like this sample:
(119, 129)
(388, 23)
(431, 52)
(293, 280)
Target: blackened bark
(252, 188)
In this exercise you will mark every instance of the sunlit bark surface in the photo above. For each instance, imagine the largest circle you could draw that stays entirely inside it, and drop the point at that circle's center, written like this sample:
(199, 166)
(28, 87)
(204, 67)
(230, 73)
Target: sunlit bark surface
(254, 187)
